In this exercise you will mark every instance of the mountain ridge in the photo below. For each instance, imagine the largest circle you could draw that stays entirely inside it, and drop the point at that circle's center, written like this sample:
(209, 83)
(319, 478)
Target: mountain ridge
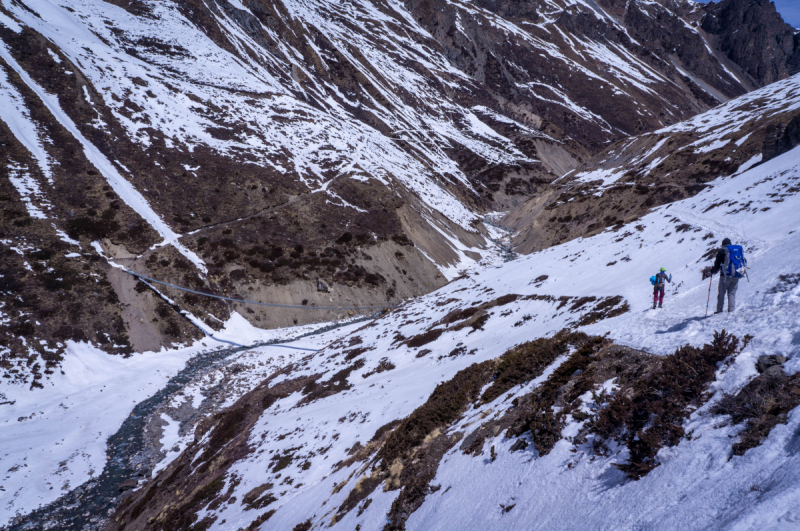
(396, 123)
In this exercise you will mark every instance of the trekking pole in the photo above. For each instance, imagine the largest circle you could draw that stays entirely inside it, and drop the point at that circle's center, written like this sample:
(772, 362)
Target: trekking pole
(709, 293)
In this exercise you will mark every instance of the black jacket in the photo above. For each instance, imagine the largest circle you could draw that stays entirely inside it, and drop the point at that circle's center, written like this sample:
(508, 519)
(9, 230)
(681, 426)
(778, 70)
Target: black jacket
(719, 261)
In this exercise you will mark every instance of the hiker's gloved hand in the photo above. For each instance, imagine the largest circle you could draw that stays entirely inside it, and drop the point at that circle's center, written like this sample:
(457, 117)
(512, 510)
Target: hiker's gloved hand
(706, 272)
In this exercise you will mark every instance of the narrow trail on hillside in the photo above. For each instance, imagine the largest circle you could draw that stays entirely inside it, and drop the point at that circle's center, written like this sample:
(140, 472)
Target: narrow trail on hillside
(269, 210)
(721, 230)
(129, 457)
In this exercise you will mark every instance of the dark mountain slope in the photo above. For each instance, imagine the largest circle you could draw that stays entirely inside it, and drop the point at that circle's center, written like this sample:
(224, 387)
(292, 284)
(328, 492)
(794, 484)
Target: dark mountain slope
(265, 149)
(754, 36)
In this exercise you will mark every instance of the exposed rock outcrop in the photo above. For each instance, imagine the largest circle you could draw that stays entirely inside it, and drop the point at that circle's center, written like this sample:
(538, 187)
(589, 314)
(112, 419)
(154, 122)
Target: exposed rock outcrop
(754, 36)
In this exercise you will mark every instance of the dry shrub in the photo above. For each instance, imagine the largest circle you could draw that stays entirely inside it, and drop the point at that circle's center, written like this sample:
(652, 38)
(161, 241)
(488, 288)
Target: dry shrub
(229, 424)
(403, 460)
(762, 404)
(424, 338)
(305, 526)
(256, 524)
(257, 499)
(336, 384)
(466, 313)
(647, 413)
(445, 404)
(605, 309)
(383, 366)
(460, 315)
(354, 353)
(527, 361)
(544, 424)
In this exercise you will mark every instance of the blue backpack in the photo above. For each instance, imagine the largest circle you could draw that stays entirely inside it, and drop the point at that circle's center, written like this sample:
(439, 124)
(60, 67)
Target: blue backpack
(735, 263)
(653, 280)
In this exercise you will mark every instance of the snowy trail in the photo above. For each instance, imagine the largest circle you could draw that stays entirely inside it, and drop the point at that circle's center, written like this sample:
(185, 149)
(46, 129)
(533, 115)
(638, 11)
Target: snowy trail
(733, 231)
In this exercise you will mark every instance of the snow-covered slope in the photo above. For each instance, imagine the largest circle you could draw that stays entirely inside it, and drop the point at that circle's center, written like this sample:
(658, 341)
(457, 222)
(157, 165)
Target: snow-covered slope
(313, 448)
(337, 154)
(253, 148)
(69, 422)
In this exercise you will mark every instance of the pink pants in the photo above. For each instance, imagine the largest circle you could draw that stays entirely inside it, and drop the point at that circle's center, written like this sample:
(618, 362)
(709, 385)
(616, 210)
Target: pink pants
(658, 295)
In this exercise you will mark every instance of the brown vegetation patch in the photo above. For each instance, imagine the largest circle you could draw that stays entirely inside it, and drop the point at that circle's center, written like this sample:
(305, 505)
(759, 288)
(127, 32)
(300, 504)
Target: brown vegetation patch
(409, 451)
(191, 486)
(354, 353)
(647, 413)
(527, 361)
(409, 454)
(459, 315)
(257, 499)
(424, 338)
(543, 423)
(303, 526)
(762, 404)
(445, 404)
(478, 309)
(256, 524)
(606, 308)
(476, 323)
(383, 366)
(228, 424)
(335, 384)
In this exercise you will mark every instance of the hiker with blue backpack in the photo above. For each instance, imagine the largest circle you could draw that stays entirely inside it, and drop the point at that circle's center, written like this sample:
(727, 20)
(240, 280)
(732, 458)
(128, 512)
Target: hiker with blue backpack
(732, 266)
(659, 282)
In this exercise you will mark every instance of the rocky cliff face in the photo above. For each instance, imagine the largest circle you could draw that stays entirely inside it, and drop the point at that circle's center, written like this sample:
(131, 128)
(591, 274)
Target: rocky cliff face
(598, 71)
(753, 35)
(254, 149)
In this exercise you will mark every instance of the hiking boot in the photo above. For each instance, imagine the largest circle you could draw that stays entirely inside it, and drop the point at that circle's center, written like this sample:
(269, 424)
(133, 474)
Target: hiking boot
(654, 306)
(659, 305)
(718, 311)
